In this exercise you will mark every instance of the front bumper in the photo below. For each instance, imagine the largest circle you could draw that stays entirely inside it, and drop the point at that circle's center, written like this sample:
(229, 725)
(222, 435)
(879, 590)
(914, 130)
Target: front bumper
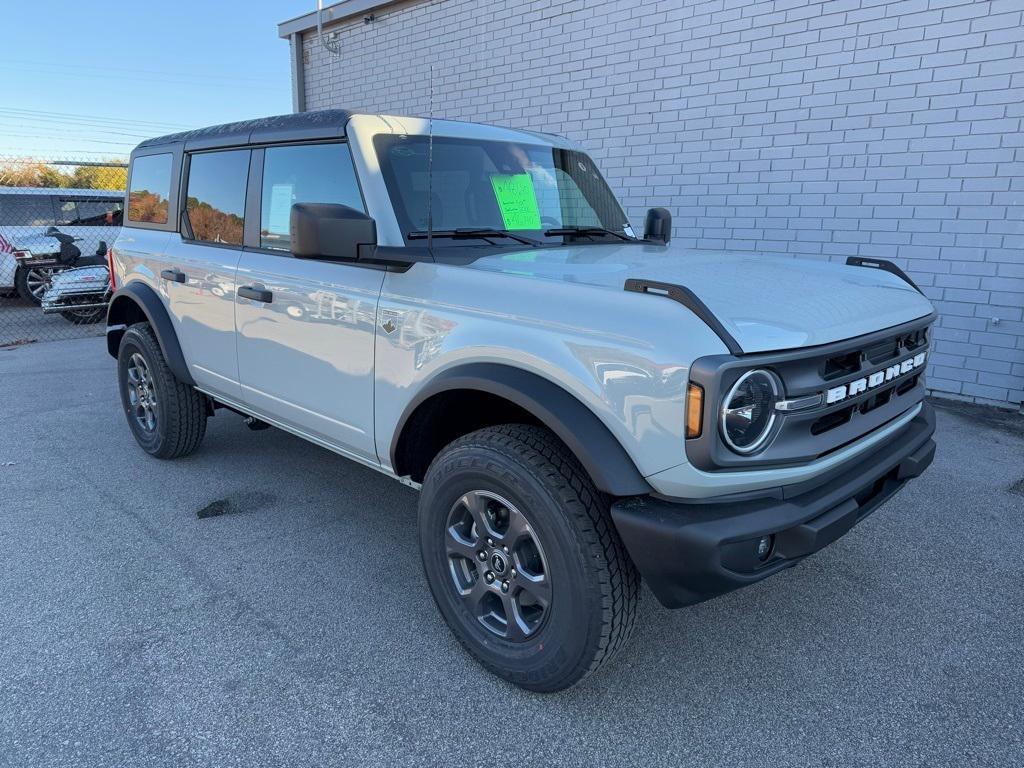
(688, 553)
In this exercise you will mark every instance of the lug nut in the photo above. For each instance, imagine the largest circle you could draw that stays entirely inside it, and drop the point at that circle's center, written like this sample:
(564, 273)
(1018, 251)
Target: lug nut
(490, 542)
(506, 550)
(481, 555)
(489, 577)
(504, 586)
(513, 573)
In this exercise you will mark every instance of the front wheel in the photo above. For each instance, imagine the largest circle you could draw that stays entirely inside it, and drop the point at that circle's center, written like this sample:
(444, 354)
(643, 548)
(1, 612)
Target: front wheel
(166, 416)
(522, 557)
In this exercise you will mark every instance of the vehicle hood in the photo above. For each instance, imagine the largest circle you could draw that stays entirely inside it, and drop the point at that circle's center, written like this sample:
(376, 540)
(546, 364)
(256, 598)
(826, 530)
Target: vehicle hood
(765, 302)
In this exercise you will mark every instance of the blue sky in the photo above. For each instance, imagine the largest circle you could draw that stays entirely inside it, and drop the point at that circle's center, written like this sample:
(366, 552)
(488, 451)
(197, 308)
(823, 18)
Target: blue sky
(81, 80)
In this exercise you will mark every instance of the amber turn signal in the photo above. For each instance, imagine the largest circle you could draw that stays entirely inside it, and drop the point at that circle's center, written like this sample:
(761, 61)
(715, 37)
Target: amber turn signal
(694, 410)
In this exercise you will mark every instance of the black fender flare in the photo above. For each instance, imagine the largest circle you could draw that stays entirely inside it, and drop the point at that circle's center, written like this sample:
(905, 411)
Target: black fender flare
(150, 304)
(609, 465)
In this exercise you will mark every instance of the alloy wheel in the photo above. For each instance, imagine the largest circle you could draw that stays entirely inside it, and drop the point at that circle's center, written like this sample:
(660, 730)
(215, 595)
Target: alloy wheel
(497, 565)
(39, 281)
(142, 393)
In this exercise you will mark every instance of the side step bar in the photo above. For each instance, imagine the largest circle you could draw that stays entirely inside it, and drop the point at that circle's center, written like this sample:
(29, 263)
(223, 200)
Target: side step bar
(885, 265)
(686, 297)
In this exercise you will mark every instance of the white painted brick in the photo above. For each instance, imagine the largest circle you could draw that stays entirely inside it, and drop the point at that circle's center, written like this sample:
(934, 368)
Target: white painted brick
(825, 129)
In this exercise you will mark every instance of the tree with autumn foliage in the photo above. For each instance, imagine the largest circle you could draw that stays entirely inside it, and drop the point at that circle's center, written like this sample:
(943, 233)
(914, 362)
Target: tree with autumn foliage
(27, 172)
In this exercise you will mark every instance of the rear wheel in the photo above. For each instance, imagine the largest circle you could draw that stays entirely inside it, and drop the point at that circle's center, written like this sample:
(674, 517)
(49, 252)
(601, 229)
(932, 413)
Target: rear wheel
(522, 558)
(166, 416)
(33, 282)
(84, 316)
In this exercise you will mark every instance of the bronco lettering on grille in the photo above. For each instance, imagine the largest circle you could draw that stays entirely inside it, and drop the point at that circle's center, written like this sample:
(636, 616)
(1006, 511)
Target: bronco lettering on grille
(876, 379)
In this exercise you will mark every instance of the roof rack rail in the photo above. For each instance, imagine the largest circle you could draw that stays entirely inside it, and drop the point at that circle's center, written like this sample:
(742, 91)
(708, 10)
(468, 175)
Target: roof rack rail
(885, 265)
(686, 297)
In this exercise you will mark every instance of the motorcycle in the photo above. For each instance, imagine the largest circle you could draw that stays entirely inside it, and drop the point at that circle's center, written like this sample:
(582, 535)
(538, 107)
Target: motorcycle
(77, 287)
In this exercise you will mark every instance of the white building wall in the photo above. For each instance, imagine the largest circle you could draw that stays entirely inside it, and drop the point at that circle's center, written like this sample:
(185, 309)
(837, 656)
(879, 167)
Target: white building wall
(821, 129)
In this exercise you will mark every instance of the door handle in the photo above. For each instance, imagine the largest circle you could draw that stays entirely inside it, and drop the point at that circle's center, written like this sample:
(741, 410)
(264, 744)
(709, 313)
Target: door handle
(256, 294)
(174, 275)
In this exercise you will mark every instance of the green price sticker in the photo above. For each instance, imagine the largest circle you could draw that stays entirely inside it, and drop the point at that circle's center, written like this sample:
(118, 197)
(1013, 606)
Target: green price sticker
(517, 200)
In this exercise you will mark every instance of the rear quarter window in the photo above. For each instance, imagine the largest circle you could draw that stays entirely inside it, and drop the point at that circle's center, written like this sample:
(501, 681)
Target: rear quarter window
(150, 191)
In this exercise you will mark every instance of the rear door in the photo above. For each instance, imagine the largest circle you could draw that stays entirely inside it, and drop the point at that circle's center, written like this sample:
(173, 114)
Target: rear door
(306, 327)
(198, 277)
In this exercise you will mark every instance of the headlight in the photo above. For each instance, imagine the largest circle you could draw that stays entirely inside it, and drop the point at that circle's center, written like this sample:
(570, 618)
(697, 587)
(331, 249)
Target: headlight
(748, 411)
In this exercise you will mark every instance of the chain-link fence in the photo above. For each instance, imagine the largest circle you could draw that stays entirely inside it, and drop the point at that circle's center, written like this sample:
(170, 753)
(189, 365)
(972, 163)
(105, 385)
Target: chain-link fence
(57, 220)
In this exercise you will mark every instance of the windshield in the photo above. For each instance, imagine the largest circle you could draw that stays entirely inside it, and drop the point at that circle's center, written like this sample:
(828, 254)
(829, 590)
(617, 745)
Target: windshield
(499, 186)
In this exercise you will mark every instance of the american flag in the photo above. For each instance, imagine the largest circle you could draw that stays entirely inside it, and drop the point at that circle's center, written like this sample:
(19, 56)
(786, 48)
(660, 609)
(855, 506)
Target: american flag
(5, 246)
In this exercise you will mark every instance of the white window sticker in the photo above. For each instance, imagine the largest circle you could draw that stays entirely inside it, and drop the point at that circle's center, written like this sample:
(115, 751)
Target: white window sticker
(279, 220)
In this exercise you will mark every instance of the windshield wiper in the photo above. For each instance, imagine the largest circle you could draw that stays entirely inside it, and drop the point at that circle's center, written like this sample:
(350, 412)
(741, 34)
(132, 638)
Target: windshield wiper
(587, 231)
(469, 233)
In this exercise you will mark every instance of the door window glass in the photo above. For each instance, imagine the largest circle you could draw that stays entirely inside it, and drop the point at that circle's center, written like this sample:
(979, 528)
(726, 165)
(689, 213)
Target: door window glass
(216, 195)
(311, 173)
(151, 189)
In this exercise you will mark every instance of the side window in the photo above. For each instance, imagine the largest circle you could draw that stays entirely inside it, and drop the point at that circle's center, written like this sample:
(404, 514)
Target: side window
(216, 195)
(99, 213)
(26, 211)
(150, 189)
(67, 212)
(311, 173)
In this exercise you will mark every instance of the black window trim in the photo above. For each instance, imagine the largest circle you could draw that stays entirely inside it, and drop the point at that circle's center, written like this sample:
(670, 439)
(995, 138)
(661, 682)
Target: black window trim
(183, 198)
(174, 150)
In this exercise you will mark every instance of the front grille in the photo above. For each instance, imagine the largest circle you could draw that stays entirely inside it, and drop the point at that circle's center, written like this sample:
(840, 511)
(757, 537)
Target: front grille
(860, 362)
(804, 435)
(878, 353)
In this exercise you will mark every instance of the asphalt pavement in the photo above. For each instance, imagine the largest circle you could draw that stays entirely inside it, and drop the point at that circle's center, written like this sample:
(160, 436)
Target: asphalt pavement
(262, 603)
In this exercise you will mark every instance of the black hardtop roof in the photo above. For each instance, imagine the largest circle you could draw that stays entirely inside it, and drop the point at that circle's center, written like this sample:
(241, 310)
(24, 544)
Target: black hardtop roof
(322, 124)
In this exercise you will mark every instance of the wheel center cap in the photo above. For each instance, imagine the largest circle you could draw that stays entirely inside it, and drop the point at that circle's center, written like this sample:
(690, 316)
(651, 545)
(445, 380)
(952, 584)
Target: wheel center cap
(498, 563)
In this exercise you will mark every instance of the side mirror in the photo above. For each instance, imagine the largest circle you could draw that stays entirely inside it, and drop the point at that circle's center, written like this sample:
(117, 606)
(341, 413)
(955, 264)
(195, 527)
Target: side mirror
(330, 231)
(658, 226)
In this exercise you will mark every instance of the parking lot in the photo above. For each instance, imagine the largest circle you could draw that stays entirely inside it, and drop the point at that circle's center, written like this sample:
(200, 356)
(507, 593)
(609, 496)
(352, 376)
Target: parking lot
(261, 603)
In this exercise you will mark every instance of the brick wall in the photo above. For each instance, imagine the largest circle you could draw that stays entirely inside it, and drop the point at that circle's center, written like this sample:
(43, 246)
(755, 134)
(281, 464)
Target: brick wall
(820, 129)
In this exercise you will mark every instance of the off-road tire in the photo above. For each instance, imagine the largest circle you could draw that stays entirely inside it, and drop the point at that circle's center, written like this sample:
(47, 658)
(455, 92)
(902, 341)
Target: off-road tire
(594, 585)
(181, 411)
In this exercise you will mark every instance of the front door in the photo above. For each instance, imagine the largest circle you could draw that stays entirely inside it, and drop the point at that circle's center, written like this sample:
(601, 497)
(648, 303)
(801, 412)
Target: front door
(305, 328)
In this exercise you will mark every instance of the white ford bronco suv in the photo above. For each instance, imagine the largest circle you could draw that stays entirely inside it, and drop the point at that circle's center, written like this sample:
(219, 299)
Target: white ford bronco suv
(466, 309)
